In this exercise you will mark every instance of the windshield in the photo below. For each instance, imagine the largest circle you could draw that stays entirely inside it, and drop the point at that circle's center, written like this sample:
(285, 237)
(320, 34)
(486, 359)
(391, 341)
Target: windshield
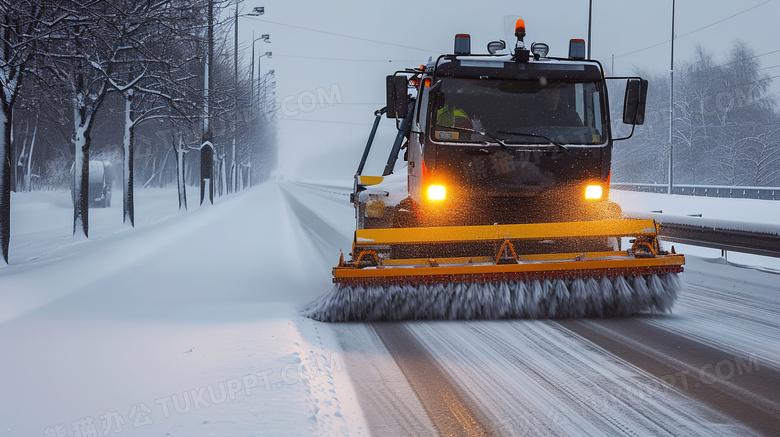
(517, 112)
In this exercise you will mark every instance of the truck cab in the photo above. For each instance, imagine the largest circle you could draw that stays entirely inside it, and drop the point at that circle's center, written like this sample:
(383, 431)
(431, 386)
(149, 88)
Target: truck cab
(512, 138)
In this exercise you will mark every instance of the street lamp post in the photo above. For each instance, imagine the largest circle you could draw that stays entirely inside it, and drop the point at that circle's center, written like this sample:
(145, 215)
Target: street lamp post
(262, 83)
(259, 10)
(267, 38)
(256, 12)
(671, 106)
(590, 22)
(259, 70)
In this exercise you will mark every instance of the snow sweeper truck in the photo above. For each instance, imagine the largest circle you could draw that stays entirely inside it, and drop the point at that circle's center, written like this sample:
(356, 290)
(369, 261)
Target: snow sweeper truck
(504, 209)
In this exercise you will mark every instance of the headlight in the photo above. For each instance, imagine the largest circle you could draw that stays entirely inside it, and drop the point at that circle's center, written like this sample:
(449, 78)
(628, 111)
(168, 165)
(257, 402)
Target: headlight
(593, 192)
(437, 192)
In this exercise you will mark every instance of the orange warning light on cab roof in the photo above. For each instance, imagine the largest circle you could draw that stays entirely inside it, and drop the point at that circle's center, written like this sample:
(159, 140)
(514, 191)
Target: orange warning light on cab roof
(520, 25)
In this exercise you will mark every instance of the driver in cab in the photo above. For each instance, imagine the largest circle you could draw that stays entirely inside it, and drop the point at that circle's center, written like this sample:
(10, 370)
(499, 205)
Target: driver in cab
(553, 111)
(451, 116)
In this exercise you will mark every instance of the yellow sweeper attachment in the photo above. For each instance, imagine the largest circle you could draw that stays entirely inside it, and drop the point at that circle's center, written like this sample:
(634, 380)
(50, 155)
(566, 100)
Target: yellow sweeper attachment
(376, 286)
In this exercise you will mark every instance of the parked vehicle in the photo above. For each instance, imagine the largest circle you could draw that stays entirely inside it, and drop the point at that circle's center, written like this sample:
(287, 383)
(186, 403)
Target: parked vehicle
(101, 179)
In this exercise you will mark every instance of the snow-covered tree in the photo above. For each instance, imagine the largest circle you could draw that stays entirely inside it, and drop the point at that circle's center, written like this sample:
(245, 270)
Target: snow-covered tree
(77, 62)
(151, 72)
(95, 65)
(20, 24)
(725, 126)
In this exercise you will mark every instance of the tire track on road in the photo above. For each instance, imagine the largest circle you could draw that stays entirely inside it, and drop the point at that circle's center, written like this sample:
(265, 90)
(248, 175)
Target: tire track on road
(326, 238)
(330, 189)
(730, 305)
(389, 404)
(739, 387)
(515, 403)
(565, 382)
(452, 413)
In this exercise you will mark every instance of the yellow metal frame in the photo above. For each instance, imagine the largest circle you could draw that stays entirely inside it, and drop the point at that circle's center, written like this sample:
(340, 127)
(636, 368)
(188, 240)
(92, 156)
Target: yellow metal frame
(535, 231)
(366, 253)
(368, 241)
(493, 269)
(370, 180)
(507, 245)
(489, 259)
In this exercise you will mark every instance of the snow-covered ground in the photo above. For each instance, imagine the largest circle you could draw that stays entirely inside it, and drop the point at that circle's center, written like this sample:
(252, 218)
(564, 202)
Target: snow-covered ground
(186, 325)
(189, 324)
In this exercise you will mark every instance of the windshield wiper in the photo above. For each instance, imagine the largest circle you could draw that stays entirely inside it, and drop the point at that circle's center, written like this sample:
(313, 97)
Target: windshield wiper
(503, 143)
(486, 134)
(526, 134)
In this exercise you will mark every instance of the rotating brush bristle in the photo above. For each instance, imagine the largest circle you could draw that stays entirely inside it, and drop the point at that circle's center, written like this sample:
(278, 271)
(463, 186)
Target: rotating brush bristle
(548, 298)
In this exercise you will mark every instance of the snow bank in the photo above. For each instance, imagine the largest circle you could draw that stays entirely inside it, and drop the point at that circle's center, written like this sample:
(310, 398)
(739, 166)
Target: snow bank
(186, 325)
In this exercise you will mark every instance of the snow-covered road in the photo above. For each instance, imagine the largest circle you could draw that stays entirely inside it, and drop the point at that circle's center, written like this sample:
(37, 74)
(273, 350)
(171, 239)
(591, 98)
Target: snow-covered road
(555, 378)
(189, 325)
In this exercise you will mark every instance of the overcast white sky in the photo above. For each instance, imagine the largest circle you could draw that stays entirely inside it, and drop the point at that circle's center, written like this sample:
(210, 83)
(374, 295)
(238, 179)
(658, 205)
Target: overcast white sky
(349, 44)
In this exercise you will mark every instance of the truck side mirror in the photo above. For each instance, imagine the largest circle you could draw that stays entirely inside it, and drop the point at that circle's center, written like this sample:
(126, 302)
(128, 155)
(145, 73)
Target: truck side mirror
(635, 102)
(397, 97)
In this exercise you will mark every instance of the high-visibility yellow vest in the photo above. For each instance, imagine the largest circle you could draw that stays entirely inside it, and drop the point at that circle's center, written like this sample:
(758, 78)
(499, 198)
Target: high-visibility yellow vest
(446, 116)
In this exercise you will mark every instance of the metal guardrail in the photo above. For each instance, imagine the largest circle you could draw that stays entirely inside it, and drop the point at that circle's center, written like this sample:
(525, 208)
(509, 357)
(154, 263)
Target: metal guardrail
(724, 235)
(724, 191)
(729, 240)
